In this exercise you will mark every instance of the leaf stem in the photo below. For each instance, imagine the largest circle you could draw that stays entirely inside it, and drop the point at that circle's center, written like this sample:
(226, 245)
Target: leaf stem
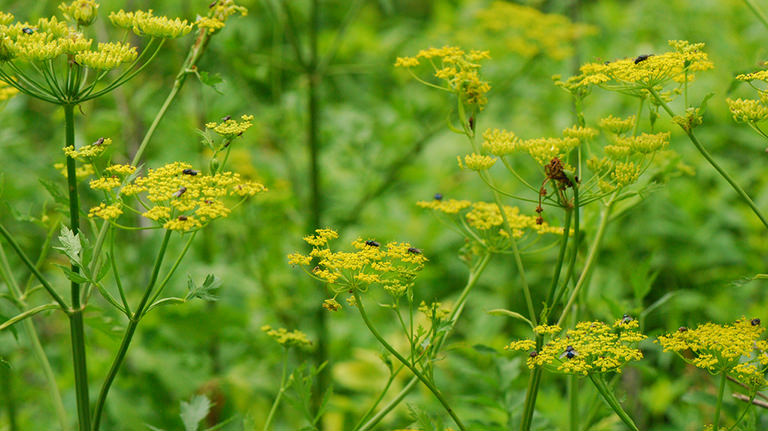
(283, 381)
(714, 164)
(719, 405)
(405, 362)
(610, 398)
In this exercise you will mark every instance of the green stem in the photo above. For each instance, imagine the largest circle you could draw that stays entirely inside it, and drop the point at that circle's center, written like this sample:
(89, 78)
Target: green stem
(610, 398)
(76, 325)
(714, 164)
(283, 380)
(590, 258)
(719, 405)
(530, 398)
(453, 317)
(573, 398)
(37, 347)
(757, 11)
(128, 335)
(560, 256)
(405, 362)
(6, 379)
(376, 402)
(28, 313)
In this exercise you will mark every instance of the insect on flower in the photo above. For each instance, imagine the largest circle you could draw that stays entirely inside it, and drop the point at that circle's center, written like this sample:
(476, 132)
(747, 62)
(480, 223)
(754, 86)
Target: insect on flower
(180, 192)
(626, 318)
(98, 142)
(438, 196)
(414, 250)
(569, 353)
(372, 243)
(190, 172)
(641, 58)
(28, 30)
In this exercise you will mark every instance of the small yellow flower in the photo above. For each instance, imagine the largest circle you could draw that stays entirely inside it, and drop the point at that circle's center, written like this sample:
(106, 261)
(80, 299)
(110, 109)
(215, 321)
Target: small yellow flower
(478, 162)
(287, 338)
(231, 128)
(82, 12)
(88, 152)
(106, 212)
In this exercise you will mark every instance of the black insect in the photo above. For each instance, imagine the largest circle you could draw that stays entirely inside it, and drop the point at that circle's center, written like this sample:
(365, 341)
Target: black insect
(569, 353)
(641, 58)
(227, 118)
(682, 329)
(180, 192)
(182, 218)
(213, 4)
(438, 196)
(372, 243)
(98, 142)
(533, 354)
(28, 30)
(190, 172)
(472, 123)
(755, 322)
(626, 318)
(414, 250)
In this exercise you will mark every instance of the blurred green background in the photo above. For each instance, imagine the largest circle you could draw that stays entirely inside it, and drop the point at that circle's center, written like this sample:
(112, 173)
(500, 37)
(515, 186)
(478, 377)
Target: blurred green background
(383, 145)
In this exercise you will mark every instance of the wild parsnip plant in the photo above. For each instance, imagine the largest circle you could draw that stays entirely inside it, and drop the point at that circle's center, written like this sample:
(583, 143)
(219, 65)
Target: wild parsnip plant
(56, 61)
(565, 268)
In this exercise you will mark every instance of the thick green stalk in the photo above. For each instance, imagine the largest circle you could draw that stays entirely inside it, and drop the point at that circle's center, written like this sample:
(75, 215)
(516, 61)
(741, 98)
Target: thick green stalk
(740, 191)
(474, 276)
(530, 397)
(405, 362)
(76, 326)
(590, 258)
(573, 398)
(283, 381)
(610, 398)
(129, 332)
(719, 405)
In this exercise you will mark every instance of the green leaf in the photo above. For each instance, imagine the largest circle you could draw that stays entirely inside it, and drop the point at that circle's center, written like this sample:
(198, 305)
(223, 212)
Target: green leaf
(102, 272)
(204, 292)
(55, 190)
(211, 80)
(703, 104)
(503, 312)
(5, 364)
(70, 245)
(72, 275)
(193, 412)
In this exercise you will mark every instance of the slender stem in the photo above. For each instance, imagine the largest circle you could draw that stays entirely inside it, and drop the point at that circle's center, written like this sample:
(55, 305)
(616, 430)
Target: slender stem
(757, 11)
(128, 335)
(610, 398)
(719, 405)
(6, 380)
(573, 398)
(37, 347)
(560, 256)
(590, 258)
(749, 400)
(405, 362)
(714, 164)
(283, 381)
(530, 398)
(28, 263)
(28, 313)
(453, 317)
(376, 402)
(77, 329)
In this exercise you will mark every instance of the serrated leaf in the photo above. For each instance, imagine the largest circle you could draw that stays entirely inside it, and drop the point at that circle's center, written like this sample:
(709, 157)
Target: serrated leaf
(72, 275)
(55, 190)
(204, 292)
(70, 245)
(193, 412)
(211, 80)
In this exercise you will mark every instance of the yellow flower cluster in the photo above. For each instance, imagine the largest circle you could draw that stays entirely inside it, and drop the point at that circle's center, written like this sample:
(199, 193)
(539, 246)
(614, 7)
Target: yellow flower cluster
(617, 125)
(108, 56)
(747, 110)
(83, 171)
(543, 150)
(393, 266)
(581, 133)
(180, 198)
(218, 14)
(647, 71)
(82, 12)
(622, 147)
(434, 310)
(48, 38)
(145, 23)
(501, 142)
(735, 349)
(106, 212)
(591, 347)
(288, 338)
(477, 162)
(230, 128)
(530, 32)
(458, 69)
(448, 206)
(88, 152)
